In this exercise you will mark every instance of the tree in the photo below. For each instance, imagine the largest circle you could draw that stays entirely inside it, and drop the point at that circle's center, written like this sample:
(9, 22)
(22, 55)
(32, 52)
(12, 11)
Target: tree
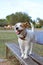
(40, 21)
(3, 22)
(17, 17)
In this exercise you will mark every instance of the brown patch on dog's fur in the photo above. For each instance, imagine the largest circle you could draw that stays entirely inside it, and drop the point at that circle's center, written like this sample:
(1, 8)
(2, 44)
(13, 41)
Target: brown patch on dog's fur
(25, 25)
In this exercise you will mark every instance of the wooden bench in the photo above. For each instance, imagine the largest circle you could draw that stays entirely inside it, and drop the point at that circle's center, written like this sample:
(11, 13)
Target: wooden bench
(31, 60)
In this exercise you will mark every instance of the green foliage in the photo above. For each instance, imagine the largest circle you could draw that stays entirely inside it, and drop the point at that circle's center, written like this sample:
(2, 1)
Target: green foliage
(38, 26)
(40, 22)
(17, 17)
(3, 22)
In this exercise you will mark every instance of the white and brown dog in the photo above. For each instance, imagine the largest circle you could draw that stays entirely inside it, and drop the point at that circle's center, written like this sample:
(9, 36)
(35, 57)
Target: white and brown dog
(25, 38)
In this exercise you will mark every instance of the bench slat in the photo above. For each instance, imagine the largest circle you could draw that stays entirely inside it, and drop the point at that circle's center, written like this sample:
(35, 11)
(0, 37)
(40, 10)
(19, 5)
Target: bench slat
(16, 51)
(37, 58)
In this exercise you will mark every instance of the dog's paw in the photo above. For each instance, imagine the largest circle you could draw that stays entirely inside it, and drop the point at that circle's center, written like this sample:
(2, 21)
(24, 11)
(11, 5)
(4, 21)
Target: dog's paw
(30, 53)
(22, 55)
(25, 57)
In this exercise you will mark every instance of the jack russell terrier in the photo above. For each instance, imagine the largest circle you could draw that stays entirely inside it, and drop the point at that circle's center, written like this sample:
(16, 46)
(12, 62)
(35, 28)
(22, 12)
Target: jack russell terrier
(26, 38)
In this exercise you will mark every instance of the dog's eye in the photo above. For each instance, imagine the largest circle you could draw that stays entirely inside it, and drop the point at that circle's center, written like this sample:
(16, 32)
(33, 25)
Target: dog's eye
(21, 25)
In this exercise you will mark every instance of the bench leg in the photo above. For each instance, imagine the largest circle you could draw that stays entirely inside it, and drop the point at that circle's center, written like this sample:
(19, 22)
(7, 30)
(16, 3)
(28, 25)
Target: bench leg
(7, 51)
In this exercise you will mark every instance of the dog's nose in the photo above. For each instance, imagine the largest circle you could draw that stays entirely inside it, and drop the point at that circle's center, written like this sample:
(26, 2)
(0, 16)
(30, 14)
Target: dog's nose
(17, 28)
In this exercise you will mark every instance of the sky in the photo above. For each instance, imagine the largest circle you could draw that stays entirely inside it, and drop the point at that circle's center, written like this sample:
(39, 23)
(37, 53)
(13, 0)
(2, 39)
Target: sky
(33, 8)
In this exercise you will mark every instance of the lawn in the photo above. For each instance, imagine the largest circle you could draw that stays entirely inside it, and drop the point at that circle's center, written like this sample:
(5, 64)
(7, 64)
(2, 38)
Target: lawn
(6, 37)
(9, 36)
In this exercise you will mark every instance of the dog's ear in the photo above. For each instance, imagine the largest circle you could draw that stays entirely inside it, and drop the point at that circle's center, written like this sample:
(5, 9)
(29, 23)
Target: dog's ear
(26, 25)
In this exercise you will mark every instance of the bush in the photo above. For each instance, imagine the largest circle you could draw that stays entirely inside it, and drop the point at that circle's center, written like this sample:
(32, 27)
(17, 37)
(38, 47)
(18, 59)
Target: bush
(38, 26)
(3, 23)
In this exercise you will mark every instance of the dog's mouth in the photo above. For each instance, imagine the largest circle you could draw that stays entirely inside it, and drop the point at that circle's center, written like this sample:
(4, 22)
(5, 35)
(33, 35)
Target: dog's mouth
(18, 32)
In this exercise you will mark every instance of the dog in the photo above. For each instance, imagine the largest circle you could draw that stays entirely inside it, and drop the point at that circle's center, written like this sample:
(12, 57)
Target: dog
(26, 38)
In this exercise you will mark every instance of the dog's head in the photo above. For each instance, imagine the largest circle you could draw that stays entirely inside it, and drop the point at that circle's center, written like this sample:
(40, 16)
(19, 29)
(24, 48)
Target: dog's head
(20, 27)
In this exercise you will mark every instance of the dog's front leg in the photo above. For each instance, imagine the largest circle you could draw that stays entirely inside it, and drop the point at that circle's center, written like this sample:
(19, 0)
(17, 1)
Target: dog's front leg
(22, 51)
(31, 46)
(21, 47)
(25, 52)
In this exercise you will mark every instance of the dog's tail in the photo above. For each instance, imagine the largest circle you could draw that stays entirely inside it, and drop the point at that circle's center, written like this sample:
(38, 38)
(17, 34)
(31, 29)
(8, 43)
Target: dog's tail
(32, 26)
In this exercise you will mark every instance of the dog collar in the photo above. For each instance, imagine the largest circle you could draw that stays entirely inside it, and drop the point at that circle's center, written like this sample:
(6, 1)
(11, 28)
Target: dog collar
(24, 36)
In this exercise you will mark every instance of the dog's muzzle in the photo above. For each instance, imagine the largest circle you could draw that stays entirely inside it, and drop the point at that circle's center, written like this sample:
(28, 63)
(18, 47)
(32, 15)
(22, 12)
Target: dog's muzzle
(17, 28)
(18, 31)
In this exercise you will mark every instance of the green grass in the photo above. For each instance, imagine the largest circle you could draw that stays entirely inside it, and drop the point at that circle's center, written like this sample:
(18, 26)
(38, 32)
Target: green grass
(38, 49)
(2, 50)
(11, 37)
(6, 37)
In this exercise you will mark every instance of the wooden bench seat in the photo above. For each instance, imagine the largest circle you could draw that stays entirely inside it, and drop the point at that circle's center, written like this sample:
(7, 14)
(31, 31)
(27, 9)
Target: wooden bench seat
(31, 60)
